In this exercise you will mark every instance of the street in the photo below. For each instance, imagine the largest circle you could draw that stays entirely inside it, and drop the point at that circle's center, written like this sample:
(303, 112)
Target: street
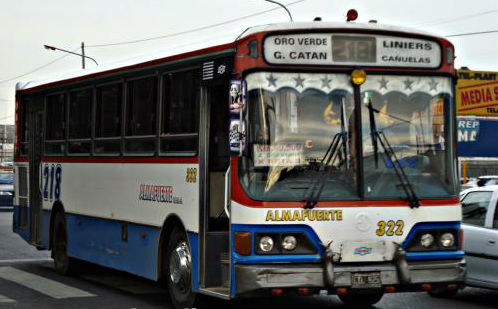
(27, 280)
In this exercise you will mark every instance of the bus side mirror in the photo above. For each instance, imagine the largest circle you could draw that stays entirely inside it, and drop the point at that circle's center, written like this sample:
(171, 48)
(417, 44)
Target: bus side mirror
(237, 134)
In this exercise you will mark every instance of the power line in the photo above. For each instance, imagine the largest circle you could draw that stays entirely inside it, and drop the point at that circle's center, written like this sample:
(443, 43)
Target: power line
(191, 30)
(34, 70)
(449, 20)
(470, 33)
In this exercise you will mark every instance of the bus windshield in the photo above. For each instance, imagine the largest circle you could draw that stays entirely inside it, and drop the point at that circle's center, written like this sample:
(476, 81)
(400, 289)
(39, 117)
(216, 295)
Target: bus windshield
(303, 141)
(410, 112)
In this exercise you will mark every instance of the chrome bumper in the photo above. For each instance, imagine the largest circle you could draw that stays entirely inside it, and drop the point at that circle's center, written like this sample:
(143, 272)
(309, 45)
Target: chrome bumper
(251, 278)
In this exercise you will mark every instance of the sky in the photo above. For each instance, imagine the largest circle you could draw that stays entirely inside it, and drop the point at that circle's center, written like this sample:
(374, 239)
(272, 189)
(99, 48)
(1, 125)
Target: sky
(27, 25)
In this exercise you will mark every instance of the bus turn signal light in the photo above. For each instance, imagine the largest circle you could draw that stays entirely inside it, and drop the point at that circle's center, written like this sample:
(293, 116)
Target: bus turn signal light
(242, 242)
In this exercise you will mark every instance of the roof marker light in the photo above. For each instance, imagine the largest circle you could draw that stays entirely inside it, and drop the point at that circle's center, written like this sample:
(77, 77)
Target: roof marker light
(351, 15)
(358, 77)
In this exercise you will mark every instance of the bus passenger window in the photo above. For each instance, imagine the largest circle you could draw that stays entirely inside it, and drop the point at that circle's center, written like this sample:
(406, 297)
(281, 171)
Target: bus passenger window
(108, 119)
(141, 115)
(24, 127)
(80, 121)
(180, 112)
(55, 124)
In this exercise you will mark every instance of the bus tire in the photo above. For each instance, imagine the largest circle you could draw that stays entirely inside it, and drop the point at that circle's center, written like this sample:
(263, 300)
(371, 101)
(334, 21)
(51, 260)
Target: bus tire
(179, 270)
(361, 300)
(63, 264)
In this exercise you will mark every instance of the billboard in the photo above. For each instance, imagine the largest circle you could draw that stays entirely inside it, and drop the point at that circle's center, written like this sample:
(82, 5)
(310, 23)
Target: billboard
(477, 93)
(477, 137)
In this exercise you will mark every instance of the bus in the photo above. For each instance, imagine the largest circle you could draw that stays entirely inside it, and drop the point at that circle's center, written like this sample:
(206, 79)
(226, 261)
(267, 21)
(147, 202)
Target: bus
(300, 159)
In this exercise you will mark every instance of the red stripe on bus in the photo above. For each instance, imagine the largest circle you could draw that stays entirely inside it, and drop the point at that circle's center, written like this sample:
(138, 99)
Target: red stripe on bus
(21, 159)
(240, 196)
(155, 160)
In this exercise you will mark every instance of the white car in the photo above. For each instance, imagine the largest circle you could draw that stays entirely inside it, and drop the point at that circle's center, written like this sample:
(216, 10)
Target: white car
(480, 235)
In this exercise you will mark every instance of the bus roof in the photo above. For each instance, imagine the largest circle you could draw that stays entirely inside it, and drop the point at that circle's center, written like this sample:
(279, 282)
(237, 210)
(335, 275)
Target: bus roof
(205, 48)
(334, 26)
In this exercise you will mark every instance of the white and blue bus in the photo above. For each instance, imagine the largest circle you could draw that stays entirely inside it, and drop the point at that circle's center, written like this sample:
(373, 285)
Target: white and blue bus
(302, 158)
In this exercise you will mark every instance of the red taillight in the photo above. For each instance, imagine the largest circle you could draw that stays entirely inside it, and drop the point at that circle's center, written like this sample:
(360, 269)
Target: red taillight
(390, 289)
(341, 291)
(277, 292)
(425, 287)
(303, 291)
(352, 15)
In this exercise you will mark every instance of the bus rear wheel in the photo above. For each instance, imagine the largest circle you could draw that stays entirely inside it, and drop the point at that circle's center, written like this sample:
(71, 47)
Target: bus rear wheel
(361, 300)
(63, 264)
(179, 270)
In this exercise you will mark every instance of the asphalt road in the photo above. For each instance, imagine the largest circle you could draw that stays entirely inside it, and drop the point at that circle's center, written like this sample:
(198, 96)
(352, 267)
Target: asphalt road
(27, 280)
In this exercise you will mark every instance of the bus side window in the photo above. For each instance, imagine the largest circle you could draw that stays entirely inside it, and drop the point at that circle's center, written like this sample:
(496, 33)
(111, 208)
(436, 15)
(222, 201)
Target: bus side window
(141, 115)
(55, 129)
(180, 112)
(108, 119)
(80, 121)
(24, 134)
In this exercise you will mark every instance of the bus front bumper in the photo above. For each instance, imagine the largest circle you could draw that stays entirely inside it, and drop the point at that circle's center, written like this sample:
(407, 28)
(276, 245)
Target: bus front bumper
(262, 278)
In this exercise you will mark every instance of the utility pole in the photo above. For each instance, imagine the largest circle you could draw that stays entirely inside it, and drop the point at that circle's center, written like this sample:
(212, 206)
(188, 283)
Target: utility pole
(83, 54)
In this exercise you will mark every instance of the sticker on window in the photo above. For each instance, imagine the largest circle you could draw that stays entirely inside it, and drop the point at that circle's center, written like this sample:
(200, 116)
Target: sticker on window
(278, 155)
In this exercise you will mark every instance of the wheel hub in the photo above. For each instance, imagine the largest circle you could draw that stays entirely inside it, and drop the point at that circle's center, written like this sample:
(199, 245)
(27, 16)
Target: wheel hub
(180, 266)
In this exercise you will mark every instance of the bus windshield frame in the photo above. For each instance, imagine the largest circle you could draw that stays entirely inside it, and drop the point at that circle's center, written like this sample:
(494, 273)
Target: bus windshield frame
(304, 137)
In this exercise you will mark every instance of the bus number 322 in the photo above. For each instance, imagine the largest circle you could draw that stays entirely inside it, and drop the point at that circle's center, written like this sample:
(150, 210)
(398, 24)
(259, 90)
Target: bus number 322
(51, 181)
(390, 228)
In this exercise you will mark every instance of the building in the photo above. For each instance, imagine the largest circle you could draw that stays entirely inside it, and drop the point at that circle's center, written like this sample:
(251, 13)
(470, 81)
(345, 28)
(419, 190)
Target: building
(6, 143)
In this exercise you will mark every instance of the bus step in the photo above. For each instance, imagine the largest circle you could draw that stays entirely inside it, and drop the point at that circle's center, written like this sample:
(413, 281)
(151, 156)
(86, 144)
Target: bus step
(225, 269)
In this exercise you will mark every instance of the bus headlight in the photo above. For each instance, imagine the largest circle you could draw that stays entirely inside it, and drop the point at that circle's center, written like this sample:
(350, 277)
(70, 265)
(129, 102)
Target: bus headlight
(266, 243)
(274, 243)
(289, 243)
(426, 240)
(447, 240)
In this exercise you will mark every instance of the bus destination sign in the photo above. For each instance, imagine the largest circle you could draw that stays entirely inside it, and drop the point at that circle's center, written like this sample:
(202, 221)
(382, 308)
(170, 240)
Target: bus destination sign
(351, 49)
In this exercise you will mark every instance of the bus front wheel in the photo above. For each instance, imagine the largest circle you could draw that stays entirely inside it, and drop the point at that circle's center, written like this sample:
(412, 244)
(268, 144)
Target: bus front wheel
(179, 270)
(360, 300)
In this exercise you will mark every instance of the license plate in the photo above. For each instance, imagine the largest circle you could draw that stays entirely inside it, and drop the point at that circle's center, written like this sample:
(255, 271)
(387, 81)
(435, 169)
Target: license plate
(365, 280)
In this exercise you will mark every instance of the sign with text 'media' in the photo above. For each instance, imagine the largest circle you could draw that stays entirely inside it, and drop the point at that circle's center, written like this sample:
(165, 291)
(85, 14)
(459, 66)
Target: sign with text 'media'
(351, 49)
(477, 93)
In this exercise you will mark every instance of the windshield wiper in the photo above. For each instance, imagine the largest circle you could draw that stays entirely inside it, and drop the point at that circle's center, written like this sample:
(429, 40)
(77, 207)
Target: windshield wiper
(339, 139)
(391, 155)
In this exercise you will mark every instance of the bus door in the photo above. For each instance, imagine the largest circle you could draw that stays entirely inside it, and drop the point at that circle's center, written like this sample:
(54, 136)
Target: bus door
(214, 158)
(36, 112)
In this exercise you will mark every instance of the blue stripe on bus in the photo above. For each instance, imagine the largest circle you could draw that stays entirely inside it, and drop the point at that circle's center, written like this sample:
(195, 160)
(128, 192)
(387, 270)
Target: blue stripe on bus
(23, 231)
(45, 232)
(99, 241)
(433, 255)
(193, 239)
